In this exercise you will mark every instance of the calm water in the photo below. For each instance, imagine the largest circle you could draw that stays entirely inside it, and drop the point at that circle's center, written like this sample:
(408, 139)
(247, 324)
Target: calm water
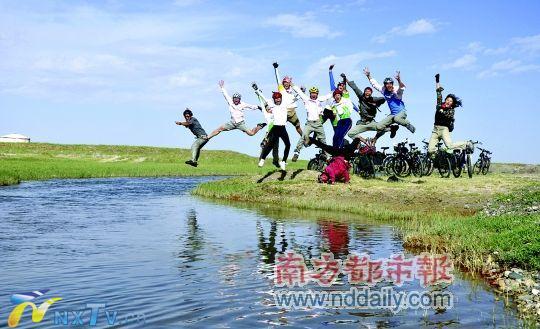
(146, 248)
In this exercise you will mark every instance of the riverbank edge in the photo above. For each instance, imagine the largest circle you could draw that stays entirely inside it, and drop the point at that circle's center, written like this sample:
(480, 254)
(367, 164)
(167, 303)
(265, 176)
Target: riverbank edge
(522, 286)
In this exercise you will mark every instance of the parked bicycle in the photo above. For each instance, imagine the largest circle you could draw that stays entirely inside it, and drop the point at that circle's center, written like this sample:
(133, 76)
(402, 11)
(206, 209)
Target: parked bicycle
(427, 161)
(407, 160)
(318, 163)
(484, 161)
(441, 161)
(462, 159)
(363, 164)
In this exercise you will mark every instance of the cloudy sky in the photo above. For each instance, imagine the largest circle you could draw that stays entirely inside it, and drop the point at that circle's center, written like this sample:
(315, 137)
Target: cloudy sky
(121, 72)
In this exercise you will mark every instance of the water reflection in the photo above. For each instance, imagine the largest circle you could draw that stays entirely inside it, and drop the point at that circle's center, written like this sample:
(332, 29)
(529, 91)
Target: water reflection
(147, 246)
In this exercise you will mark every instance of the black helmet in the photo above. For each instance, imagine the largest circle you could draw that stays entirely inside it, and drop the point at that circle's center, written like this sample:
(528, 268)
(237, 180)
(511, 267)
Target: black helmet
(188, 111)
(388, 80)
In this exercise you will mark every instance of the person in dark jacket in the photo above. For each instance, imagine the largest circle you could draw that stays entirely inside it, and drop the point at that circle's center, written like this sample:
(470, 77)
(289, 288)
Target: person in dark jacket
(367, 108)
(444, 120)
(200, 136)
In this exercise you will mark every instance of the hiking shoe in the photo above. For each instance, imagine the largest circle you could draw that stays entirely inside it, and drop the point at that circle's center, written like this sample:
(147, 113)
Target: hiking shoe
(282, 165)
(261, 163)
(295, 157)
(191, 163)
(262, 124)
(393, 130)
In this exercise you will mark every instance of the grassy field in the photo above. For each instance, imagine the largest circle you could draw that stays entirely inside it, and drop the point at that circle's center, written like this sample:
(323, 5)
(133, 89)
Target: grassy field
(435, 214)
(35, 161)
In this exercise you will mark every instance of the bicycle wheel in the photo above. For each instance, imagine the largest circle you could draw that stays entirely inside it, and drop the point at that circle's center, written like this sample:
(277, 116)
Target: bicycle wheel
(455, 165)
(478, 165)
(316, 164)
(366, 168)
(387, 165)
(469, 166)
(485, 168)
(443, 165)
(401, 167)
(417, 166)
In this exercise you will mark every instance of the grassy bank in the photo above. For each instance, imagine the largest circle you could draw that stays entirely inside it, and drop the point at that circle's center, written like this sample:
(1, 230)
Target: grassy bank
(36, 161)
(441, 214)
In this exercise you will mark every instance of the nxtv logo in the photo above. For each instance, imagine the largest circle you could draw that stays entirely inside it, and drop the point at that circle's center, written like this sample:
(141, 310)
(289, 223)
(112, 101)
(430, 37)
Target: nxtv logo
(23, 300)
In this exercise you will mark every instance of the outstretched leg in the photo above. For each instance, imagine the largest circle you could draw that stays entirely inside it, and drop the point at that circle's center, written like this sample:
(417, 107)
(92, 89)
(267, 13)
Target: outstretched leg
(216, 132)
(401, 119)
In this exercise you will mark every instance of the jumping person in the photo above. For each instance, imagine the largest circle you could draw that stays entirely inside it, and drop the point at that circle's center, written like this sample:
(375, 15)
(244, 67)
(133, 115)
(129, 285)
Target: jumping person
(368, 107)
(393, 97)
(314, 108)
(200, 136)
(236, 107)
(342, 86)
(279, 110)
(289, 98)
(444, 120)
(269, 117)
(341, 107)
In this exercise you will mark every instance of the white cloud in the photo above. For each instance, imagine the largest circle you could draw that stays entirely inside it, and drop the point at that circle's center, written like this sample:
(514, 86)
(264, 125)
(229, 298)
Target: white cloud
(302, 26)
(508, 66)
(186, 3)
(420, 26)
(346, 63)
(529, 44)
(464, 62)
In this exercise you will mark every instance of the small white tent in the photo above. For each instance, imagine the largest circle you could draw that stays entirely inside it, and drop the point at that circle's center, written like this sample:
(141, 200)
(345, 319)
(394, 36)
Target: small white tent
(15, 138)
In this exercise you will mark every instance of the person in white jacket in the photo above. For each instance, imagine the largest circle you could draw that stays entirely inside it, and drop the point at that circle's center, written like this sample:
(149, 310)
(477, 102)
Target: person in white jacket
(237, 108)
(289, 98)
(279, 110)
(314, 105)
(269, 118)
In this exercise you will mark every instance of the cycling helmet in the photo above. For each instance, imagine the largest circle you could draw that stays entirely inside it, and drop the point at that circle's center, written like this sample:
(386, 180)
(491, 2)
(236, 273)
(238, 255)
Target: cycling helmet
(337, 91)
(236, 95)
(287, 79)
(314, 90)
(276, 94)
(388, 80)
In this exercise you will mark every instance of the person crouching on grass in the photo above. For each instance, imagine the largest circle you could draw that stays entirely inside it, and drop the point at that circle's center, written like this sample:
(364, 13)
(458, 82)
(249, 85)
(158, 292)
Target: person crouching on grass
(200, 136)
(279, 110)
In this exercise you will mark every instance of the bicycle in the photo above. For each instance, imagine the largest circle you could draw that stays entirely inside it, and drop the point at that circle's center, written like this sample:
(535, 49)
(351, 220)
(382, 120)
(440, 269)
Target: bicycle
(427, 162)
(462, 158)
(484, 161)
(363, 163)
(441, 161)
(318, 163)
(407, 160)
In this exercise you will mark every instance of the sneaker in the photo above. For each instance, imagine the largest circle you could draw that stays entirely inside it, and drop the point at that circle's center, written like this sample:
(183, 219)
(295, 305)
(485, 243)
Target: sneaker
(262, 125)
(261, 163)
(191, 163)
(393, 130)
(282, 165)
(295, 157)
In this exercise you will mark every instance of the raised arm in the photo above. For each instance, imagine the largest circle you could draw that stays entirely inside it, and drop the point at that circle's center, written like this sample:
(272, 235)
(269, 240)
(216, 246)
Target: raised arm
(401, 84)
(221, 84)
(300, 93)
(372, 81)
(276, 73)
(331, 76)
(355, 88)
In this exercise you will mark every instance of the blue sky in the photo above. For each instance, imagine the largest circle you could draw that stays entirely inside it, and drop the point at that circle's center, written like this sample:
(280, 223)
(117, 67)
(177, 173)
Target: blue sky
(121, 72)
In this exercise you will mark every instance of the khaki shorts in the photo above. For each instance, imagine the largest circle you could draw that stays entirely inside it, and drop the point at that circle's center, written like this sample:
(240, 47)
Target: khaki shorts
(292, 117)
(231, 125)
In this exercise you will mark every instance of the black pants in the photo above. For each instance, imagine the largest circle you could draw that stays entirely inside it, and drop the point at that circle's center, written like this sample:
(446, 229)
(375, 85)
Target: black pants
(277, 133)
(275, 149)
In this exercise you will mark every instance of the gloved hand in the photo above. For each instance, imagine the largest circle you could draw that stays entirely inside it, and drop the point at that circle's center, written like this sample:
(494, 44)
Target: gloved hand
(275, 65)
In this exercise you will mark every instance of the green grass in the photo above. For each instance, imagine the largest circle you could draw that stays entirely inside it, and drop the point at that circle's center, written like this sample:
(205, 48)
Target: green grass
(433, 213)
(37, 161)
